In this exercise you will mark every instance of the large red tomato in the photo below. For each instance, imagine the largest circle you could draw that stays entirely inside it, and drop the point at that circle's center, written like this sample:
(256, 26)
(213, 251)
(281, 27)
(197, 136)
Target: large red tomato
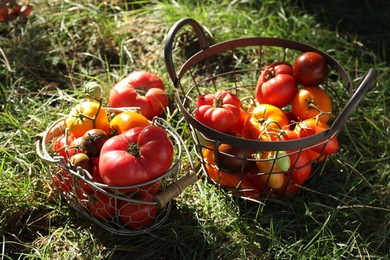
(136, 156)
(310, 69)
(220, 111)
(276, 85)
(140, 89)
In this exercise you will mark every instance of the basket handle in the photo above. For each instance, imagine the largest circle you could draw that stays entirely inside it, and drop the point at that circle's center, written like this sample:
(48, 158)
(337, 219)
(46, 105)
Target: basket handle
(363, 86)
(174, 189)
(169, 43)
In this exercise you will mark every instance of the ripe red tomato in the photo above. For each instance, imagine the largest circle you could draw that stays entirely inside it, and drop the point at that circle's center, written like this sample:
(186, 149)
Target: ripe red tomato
(310, 69)
(219, 111)
(311, 127)
(264, 118)
(276, 85)
(309, 102)
(300, 166)
(136, 156)
(135, 215)
(63, 180)
(101, 206)
(140, 89)
(61, 144)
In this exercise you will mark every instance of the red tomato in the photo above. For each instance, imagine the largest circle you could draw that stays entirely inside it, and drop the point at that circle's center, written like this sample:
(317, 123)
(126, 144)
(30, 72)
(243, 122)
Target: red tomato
(101, 206)
(310, 69)
(309, 102)
(264, 118)
(276, 85)
(135, 215)
(136, 156)
(300, 166)
(140, 89)
(311, 127)
(92, 141)
(60, 145)
(219, 111)
(63, 180)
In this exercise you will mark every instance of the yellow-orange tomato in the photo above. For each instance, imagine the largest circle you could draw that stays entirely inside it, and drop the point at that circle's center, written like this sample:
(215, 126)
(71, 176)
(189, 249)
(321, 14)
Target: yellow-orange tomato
(310, 102)
(127, 120)
(85, 116)
(263, 117)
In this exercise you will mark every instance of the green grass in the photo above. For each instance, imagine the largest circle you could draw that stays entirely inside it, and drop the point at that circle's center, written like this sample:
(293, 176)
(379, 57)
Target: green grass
(45, 61)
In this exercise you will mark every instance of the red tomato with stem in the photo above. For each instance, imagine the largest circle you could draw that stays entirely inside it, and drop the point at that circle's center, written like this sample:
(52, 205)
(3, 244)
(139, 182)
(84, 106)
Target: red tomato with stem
(219, 111)
(276, 85)
(136, 156)
(141, 89)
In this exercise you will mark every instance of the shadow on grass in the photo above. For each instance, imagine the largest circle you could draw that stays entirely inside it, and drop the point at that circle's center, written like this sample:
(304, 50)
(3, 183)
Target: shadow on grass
(368, 20)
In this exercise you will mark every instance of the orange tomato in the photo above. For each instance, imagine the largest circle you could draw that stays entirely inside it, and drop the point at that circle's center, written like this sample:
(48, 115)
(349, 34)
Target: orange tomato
(127, 120)
(86, 116)
(262, 118)
(310, 102)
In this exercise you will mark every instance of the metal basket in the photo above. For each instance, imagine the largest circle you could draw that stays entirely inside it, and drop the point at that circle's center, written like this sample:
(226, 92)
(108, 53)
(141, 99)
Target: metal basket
(100, 203)
(235, 66)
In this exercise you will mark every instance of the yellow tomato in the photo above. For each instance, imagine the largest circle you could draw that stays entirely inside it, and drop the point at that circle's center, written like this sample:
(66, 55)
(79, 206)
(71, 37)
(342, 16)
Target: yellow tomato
(85, 116)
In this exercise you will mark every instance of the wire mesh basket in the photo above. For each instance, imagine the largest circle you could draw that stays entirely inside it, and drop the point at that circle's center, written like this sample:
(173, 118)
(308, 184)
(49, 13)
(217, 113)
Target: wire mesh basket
(235, 66)
(123, 210)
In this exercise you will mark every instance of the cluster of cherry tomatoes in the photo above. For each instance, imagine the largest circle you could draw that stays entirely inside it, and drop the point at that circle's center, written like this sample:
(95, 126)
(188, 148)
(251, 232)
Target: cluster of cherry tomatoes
(116, 152)
(288, 104)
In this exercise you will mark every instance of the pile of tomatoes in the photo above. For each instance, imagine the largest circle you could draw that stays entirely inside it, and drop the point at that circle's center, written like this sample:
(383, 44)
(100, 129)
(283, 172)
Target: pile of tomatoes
(114, 157)
(288, 103)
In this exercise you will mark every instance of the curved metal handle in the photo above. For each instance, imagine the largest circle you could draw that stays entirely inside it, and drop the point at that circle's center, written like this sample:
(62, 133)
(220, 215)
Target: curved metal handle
(169, 43)
(362, 89)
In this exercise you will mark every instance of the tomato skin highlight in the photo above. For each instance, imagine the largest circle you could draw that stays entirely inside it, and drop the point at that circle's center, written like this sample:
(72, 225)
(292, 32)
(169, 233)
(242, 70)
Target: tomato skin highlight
(136, 156)
(310, 69)
(276, 85)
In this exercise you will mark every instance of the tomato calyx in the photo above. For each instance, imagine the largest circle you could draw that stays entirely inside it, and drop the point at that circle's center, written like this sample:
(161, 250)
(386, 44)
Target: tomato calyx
(134, 150)
(270, 74)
